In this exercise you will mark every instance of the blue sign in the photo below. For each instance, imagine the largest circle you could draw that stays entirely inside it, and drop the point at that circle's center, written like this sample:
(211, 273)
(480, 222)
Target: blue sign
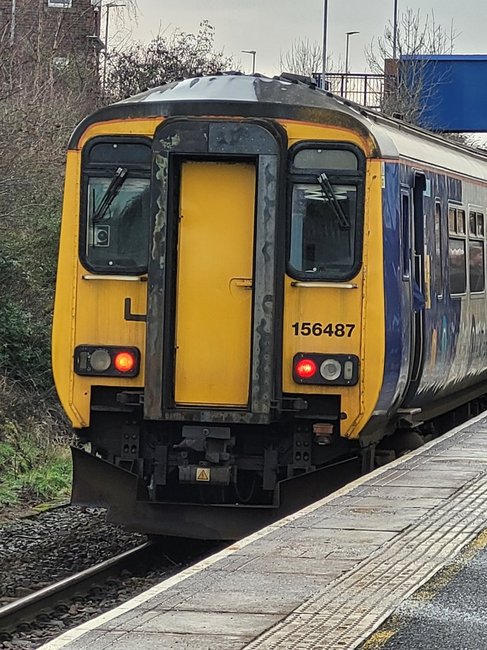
(452, 90)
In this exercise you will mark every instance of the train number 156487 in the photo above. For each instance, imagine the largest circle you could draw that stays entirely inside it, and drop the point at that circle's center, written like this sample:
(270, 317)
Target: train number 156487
(318, 329)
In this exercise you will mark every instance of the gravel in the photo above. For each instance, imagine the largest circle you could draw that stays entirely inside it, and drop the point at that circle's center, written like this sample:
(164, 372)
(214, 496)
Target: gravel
(39, 550)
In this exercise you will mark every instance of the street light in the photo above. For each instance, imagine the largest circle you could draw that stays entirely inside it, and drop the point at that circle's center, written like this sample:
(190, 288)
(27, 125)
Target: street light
(346, 61)
(253, 53)
(347, 49)
(394, 35)
(108, 6)
(325, 30)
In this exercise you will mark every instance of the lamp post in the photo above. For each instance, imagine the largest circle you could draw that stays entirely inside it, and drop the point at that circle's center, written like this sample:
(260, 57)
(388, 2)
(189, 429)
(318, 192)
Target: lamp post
(325, 33)
(394, 34)
(108, 6)
(347, 49)
(346, 60)
(253, 53)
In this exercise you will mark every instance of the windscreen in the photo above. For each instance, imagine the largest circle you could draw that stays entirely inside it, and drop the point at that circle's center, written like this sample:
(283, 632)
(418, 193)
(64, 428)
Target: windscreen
(326, 212)
(116, 206)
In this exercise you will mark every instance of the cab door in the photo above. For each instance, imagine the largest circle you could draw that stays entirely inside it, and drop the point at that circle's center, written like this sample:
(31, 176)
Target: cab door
(214, 282)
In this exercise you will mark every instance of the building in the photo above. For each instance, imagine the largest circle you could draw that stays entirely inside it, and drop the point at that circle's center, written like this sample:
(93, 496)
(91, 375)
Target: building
(42, 39)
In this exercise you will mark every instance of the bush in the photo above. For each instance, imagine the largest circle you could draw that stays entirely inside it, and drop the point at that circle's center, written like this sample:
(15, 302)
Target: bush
(24, 347)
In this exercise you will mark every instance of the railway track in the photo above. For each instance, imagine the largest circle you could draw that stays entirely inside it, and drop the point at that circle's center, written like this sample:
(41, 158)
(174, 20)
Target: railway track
(29, 607)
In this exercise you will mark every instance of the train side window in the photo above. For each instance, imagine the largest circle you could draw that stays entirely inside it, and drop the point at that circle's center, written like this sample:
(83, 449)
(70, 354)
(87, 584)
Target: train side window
(438, 266)
(480, 225)
(476, 252)
(116, 205)
(406, 242)
(452, 220)
(457, 250)
(461, 222)
(472, 224)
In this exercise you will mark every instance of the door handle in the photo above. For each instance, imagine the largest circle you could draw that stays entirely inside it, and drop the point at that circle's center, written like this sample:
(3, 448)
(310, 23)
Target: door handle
(243, 283)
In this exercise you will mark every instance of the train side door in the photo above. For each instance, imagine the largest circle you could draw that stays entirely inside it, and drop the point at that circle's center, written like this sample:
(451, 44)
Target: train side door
(417, 282)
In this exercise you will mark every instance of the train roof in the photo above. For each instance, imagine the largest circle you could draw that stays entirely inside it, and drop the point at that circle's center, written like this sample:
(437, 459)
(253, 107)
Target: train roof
(291, 97)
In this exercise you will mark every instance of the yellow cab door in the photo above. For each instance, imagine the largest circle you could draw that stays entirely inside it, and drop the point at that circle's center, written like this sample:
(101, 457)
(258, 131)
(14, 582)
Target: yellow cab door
(214, 295)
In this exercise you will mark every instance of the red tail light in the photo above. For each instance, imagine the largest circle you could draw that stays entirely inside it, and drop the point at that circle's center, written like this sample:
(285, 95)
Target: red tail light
(124, 362)
(305, 368)
(106, 361)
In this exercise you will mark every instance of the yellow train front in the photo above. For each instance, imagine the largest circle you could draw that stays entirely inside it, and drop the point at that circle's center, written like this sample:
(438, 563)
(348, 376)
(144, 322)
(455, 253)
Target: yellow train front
(213, 341)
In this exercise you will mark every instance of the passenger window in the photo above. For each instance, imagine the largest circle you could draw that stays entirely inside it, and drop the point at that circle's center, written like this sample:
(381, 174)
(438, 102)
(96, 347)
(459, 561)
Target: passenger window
(461, 222)
(452, 220)
(456, 257)
(115, 236)
(472, 225)
(480, 225)
(457, 246)
(476, 252)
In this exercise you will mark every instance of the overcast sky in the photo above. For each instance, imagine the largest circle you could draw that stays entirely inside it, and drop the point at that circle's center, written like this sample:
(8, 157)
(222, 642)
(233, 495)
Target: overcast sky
(270, 26)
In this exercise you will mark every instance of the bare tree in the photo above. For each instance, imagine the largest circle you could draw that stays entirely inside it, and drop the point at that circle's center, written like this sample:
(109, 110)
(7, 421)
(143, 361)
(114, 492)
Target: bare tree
(304, 57)
(404, 88)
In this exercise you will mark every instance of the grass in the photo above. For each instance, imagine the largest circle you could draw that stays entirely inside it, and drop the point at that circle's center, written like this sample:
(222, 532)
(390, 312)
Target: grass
(45, 477)
(35, 464)
(31, 474)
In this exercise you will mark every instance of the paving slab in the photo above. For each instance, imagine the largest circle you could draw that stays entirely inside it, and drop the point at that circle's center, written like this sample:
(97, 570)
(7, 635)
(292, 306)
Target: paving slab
(363, 501)
(164, 641)
(378, 518)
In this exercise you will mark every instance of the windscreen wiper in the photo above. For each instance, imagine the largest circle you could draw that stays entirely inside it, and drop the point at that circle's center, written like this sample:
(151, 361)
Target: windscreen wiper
(334, 203)
(111, 192)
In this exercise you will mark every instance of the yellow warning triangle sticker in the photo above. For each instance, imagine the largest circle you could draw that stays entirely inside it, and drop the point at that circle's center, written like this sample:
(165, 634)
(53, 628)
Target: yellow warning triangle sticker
(202, 474)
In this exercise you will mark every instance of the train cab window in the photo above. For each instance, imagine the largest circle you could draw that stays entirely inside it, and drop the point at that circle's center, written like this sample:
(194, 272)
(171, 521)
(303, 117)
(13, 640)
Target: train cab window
(457, 250)
(476, 252)
(326, 211)
(325, 159)
(116, 206)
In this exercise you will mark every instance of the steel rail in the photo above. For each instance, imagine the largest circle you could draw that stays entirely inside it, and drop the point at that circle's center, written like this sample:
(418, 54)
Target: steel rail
(28, 607)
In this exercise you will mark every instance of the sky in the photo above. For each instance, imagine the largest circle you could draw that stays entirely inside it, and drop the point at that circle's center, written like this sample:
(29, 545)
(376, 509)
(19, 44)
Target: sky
(271, 26)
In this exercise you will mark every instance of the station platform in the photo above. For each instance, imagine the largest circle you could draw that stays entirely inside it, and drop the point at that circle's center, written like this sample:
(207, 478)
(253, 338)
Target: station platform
(330, 575)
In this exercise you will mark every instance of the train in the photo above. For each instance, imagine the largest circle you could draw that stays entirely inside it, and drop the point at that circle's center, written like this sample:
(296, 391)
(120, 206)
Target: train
(258, 282)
